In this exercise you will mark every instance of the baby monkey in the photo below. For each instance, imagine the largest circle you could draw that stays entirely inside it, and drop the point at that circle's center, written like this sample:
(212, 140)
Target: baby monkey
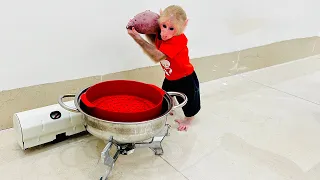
(169, 47)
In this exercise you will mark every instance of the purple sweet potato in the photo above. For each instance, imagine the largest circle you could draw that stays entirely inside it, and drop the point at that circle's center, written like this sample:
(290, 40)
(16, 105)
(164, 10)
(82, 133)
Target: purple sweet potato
(145, 22)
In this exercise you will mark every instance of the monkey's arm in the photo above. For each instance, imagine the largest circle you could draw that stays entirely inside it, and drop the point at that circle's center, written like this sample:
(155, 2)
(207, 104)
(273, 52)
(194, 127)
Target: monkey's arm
(151, 38)
(151, 50)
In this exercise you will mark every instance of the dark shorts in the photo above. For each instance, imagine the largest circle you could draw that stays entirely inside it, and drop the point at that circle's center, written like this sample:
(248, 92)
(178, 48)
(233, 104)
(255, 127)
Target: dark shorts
(188, 85)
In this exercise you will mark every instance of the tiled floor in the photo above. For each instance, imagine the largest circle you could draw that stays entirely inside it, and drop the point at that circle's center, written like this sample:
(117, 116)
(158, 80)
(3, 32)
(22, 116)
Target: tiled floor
(262, 125)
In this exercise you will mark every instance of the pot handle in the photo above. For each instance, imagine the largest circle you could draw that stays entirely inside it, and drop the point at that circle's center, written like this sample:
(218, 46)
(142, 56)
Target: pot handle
(64, 106)
(183, 96)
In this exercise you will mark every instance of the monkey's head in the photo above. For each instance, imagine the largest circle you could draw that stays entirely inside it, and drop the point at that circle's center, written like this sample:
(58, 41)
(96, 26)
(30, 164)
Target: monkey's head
(172, 22)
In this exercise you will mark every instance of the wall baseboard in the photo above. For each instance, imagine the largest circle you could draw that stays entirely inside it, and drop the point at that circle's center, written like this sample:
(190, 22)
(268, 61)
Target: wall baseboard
(208, 68)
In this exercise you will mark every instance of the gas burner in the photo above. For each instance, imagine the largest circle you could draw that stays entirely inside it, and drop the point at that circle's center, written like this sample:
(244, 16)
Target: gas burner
(126, 149)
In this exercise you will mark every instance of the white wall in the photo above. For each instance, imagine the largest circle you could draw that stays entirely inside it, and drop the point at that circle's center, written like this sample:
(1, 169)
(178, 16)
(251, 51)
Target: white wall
(46, 41)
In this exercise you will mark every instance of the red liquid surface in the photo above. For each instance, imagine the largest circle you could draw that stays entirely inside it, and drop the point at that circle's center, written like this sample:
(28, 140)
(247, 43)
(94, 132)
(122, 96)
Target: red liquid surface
(123, 103)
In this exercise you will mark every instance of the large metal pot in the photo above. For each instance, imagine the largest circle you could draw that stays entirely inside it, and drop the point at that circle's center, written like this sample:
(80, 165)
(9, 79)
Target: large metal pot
(123, 132)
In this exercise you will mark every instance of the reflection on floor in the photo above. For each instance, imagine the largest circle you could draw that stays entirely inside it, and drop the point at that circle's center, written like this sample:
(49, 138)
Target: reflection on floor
(261, 125)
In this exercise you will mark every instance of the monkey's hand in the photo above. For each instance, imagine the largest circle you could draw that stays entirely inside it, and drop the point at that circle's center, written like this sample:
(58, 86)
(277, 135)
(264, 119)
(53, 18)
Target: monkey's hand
(134, 34)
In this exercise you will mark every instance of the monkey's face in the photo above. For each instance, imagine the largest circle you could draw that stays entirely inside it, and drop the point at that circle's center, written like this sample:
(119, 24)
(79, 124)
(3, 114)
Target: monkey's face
(168, 30)
(172, 22)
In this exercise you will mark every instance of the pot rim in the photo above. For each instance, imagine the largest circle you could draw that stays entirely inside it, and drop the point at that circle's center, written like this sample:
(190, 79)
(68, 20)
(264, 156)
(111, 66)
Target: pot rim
(77, 104)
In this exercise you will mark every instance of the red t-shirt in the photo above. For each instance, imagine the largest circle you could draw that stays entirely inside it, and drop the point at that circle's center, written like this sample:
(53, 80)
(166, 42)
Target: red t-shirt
(177, 65)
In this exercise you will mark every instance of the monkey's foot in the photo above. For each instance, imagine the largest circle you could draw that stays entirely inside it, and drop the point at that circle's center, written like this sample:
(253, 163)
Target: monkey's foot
(184, 124)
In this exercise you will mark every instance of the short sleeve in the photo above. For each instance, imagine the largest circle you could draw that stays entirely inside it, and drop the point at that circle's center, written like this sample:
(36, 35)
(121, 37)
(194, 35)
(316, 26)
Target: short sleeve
(170, 49)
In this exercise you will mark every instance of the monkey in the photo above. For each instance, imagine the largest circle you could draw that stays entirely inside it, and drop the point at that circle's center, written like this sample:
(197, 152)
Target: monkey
(169, 48)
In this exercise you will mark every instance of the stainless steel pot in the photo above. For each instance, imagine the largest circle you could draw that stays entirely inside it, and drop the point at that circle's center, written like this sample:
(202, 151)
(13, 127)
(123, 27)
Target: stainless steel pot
(124, 132)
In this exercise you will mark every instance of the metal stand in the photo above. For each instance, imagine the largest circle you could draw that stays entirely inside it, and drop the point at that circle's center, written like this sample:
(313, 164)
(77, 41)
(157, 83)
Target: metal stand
(126, 149)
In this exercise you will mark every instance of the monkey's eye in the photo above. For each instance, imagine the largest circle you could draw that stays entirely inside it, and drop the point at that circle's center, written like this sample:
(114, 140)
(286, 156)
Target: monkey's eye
(171, 29)
(164, 26)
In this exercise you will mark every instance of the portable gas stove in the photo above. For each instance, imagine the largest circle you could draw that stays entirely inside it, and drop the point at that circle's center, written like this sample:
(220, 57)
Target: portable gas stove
(126, 149)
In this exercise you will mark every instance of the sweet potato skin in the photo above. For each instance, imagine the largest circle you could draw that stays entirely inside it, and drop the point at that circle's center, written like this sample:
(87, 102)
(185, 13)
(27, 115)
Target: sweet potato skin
(145, 22)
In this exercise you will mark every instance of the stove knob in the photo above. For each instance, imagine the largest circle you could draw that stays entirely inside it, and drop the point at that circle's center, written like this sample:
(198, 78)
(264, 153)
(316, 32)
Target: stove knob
(55, 115)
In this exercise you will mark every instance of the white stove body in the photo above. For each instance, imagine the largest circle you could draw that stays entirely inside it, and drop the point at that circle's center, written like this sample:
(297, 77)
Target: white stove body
(42, 125)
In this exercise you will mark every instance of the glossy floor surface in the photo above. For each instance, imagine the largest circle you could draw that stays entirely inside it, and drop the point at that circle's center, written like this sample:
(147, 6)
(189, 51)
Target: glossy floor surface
(261, 125)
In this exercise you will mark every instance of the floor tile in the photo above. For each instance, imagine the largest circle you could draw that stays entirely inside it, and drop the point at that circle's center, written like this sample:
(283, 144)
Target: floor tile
(78, 158)
(263, 134)
(299, 78)
(236, 159)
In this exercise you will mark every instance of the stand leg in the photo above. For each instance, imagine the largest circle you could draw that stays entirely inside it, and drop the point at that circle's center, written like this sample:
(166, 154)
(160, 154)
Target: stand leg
(155, 144)
(158, 150)
(107, 159)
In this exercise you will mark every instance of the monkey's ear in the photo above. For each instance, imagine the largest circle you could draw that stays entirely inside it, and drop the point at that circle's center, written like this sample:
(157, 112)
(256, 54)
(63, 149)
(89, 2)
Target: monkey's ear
(186, 22)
